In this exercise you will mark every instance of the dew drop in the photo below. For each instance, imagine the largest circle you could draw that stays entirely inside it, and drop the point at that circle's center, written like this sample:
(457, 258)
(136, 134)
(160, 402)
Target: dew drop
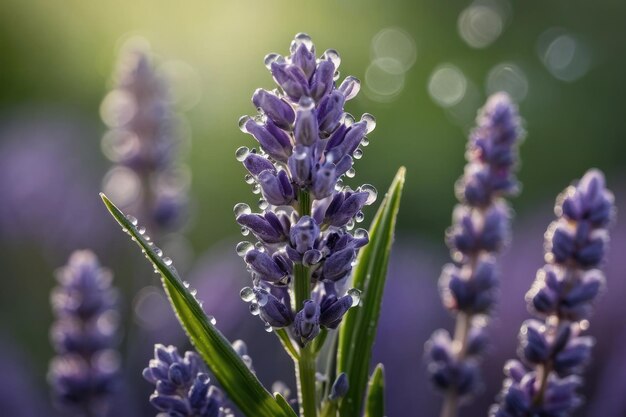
(132, 219)
(241, 208)
(350, 224)
(245, 231)
(148, 239)
(361, 234)
(359, 217)
(247, 294)
(125, 230)
(299, 39)
(249, 179)
(158, 251)
(241, 153)
(261, 297)
(256, 189)
(370, 122)
(351, 173)
(254, 309)
(356, 296)
(348, 119)
(167, 261)
(185, 284)
(259, 246)
(242, 123)
(193, 292)
(365, 142)
(243, 247)
(358, 153)
(371, 191)
(263, 204)
(332, 56)
(141, 230)
(268, 328)
(271, 58)
(212, 320)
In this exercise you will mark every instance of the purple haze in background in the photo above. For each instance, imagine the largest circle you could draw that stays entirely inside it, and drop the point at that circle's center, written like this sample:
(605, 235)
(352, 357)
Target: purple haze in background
(44, 175)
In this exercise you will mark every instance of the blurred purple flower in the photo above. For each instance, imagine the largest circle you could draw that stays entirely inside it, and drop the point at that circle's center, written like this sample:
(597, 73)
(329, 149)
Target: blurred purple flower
(144, 142)
(85, 371)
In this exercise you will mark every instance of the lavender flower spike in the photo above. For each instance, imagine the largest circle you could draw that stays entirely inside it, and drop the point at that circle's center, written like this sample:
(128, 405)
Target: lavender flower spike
(307, 144)
(182, 385)
(479, 231)
(143, 142)
(83, 375)
(552, 349)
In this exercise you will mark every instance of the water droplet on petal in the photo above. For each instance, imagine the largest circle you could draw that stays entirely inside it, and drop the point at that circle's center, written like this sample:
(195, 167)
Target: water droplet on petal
(371, 191)
(271, 58)
(370, 122)
(245, 231)
(268, 328)
(350, 224)
(332, 56)
(241, 153)
(254, 309)
(249, 179)
(261, 297)
(359, 217)
(358, 153)
(356, 296)
(256, 189)
(247, 294)
(361, 233)
(263, 204)
(241, 208)
(365, 142)
(351, 173)
(243, 247)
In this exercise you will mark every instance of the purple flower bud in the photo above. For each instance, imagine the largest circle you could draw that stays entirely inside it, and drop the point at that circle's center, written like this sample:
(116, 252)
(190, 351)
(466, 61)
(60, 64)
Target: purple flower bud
(344, 207)
(339, 388)
(264, 229)
(305, 59)
(324, 181)
(307, 322)
(276, 189)
(333, 309)
(255, 164)
(322, 81)
(304, 234)
(273, 140)
(273, 311)
(276, 109)
(265, 266)
(306, 131)
(330, 112)
(300, 164)
(291, 79)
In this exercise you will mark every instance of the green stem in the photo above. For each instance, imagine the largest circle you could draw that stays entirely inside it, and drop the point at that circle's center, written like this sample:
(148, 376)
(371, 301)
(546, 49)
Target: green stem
(306, 364)
(305, 373)
(287, 343)
(318, 342)
(329, 409)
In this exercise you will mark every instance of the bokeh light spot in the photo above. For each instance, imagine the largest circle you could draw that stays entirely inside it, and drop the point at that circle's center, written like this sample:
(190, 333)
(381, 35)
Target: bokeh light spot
(510, 78)
(384, 79)
(564, 55)
(396, 44)
(447, 85)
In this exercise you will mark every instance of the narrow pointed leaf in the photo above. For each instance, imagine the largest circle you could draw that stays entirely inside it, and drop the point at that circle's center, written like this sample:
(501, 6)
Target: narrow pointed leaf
(289, 411)
(241, 385)
(358, 330)
(375, 402)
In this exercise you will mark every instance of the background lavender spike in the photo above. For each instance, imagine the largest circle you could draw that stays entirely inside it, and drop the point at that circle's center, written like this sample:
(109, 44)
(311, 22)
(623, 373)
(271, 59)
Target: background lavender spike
(552, 348)
(306, 145)
(480, 229)
(182, 386)
(84, 373)
(144, 142)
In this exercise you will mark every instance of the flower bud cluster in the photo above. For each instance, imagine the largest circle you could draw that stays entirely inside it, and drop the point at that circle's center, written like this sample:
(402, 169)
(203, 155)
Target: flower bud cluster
(143, 142)
(307, 143)
(84, 373)
(552, 345)
(479, 231)
(182, 384)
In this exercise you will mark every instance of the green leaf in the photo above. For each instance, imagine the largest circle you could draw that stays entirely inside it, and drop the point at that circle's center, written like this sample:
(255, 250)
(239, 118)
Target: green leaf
(375, 402)
(241, 385)
(285, 405)
(358, 330)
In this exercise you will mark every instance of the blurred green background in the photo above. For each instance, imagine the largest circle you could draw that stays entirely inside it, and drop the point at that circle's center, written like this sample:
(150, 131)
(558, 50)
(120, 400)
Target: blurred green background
(426, 67)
